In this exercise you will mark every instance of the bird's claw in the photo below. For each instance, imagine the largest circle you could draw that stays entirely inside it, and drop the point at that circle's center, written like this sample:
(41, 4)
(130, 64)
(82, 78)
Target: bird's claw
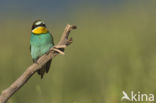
(36, 62)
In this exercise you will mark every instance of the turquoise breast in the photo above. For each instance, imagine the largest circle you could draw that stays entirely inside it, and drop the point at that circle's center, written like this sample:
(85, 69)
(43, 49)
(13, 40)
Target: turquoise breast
(40, 44)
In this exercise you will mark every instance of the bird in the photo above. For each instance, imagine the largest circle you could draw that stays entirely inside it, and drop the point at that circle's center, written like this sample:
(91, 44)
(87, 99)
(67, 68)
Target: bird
(41, 40)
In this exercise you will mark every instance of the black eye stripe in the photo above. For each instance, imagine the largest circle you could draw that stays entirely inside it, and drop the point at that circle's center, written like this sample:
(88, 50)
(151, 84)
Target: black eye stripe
(34, 26)
(42, 25)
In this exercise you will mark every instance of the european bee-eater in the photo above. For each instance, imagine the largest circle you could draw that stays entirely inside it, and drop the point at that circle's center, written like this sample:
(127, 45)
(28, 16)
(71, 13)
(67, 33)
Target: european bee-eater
(40, 42)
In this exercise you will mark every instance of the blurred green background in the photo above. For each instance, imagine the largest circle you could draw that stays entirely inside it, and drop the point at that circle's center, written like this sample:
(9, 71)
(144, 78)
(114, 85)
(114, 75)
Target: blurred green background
(113, 49)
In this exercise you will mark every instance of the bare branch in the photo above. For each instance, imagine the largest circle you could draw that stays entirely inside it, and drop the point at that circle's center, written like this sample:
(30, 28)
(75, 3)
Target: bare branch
(59, 48)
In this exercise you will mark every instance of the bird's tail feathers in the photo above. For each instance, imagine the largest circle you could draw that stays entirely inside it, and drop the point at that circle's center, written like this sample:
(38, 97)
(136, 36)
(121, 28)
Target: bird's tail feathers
(44, 69)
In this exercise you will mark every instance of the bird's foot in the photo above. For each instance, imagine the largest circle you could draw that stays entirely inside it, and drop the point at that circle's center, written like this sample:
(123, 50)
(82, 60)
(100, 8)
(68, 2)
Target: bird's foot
(36, 62)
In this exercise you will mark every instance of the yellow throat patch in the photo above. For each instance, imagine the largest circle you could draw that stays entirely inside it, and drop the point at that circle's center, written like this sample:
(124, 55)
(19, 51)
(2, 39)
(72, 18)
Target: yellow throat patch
(40, 30)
